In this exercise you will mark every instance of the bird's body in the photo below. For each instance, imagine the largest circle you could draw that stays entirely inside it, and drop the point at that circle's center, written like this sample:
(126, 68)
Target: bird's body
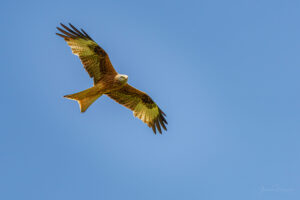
(107, 81)
(112, 82)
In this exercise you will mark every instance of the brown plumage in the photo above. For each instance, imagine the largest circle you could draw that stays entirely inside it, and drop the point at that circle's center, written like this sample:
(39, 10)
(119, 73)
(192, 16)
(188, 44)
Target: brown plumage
(107, 81)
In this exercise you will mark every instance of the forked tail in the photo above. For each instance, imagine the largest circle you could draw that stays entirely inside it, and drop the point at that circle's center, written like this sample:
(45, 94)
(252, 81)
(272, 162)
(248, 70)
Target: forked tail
(85, 98)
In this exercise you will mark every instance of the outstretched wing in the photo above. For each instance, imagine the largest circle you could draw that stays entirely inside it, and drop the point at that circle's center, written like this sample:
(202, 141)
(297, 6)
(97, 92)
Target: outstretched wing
(93, 57)
(142, 106)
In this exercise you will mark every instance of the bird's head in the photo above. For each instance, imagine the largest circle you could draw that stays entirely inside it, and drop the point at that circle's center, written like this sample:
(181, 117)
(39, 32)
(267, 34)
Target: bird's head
(122, 78)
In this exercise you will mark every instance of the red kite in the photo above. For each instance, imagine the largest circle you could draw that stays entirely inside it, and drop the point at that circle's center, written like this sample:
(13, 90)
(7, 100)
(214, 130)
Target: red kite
(107, 81)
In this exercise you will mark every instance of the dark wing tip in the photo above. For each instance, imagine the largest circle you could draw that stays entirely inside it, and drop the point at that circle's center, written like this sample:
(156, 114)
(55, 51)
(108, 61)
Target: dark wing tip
(72, 32)
(153, 128)
(162, 112)
(159, 122)
(162, 122)
(77, 31)
(63, 36)
(158, 126)
(69, 34)
(86, 34)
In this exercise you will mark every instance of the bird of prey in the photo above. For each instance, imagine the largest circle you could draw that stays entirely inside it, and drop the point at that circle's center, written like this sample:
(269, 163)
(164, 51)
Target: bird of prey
(107, 81)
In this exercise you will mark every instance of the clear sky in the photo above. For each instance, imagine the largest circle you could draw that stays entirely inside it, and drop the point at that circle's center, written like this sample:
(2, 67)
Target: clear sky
(226, 73)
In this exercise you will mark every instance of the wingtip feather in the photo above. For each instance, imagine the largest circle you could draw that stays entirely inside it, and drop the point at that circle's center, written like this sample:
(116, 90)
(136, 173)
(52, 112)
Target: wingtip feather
(153, 128)
(63, 36)
(76, 30)
(158, 126)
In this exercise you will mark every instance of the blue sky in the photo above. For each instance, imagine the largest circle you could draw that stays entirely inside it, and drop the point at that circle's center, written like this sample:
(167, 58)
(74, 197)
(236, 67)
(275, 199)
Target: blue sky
(226, 73)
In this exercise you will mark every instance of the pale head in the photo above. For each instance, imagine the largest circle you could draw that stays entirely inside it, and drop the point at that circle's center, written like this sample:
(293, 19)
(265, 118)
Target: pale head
(122, 78)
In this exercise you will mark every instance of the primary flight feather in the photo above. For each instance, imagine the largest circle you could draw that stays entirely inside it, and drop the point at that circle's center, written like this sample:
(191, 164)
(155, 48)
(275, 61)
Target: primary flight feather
(107, 81)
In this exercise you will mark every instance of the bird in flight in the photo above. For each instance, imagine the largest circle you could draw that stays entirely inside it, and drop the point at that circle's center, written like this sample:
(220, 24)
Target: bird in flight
(107, 81)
